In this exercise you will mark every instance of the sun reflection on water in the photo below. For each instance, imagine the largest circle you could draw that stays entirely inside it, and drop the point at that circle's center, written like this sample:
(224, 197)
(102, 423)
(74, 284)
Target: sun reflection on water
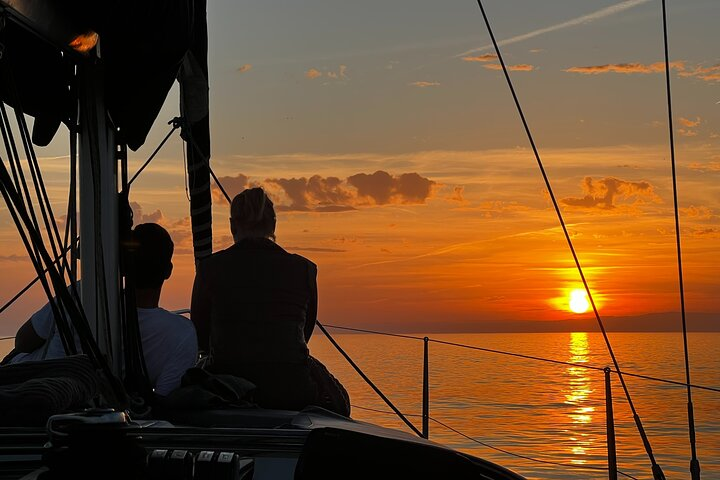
(577, 394)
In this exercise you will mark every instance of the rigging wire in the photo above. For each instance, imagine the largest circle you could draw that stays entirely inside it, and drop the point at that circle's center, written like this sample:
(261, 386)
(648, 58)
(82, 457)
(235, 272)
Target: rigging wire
(501, 450)
(32, 239)
(33, 282)
(41, 192)
(520, 355)
(175, 122)
(18, 200)
(657, 471)
(207, 163)
(694, 462)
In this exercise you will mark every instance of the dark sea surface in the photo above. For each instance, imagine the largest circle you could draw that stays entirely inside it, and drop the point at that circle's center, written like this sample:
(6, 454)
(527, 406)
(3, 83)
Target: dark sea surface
(550, 412)
(546, 411)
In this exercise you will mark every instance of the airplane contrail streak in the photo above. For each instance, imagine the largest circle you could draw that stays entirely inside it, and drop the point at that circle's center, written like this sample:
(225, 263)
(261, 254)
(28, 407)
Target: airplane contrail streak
(590, 17)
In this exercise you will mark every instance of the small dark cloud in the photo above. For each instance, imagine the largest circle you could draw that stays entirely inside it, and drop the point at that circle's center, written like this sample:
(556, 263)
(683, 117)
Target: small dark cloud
(605, 193)
(13, 258)
(139, 216)
(232, 185)
(333, 194)
(382, 188)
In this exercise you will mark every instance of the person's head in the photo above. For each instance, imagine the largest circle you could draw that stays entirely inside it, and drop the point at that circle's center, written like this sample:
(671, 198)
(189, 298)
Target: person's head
(153, 257)
(252, 215)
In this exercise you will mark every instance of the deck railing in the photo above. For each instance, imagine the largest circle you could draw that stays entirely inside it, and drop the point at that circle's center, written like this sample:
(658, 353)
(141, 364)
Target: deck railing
(424, 432)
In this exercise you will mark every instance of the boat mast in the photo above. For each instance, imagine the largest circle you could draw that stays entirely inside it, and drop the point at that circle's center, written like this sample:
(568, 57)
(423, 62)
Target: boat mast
(98, 212)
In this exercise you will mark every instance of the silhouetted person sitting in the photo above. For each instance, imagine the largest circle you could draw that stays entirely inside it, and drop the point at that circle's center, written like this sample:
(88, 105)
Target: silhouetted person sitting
(168, 340)
(254, 306)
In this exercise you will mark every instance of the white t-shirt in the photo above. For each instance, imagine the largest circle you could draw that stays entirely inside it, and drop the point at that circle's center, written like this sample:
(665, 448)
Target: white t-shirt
(169, 344)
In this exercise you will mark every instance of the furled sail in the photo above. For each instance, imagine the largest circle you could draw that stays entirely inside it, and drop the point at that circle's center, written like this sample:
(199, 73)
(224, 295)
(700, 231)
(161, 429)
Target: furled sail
(194, 107)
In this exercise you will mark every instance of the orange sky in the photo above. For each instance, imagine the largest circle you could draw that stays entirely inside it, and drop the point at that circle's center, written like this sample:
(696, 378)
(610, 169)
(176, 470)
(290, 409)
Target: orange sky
(400, 167)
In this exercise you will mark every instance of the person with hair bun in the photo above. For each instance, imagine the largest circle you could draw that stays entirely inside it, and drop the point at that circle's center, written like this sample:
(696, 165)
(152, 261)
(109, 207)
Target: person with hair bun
(254, 306)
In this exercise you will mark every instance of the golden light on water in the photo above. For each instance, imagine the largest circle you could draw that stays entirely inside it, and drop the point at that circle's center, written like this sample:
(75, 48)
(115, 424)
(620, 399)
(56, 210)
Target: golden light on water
(578, 394)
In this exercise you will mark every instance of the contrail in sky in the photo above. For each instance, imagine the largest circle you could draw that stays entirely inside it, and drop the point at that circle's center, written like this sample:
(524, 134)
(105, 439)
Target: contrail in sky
(590, 17)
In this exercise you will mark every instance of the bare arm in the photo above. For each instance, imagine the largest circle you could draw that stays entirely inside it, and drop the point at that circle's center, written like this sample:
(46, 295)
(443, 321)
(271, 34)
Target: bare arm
(200, 310)
(27, 340)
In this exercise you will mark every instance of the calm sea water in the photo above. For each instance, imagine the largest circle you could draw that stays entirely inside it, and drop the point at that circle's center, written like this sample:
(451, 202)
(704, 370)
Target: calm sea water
(545, 411)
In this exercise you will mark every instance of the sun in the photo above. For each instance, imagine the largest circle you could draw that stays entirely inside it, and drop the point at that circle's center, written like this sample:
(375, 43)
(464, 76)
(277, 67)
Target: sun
(578, 302)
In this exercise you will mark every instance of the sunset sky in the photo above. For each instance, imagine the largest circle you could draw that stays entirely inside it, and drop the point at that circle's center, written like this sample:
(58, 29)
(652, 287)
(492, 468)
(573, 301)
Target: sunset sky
(388, 139)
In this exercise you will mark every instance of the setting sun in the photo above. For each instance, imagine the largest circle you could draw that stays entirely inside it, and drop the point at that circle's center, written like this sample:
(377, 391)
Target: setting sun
(578, 301)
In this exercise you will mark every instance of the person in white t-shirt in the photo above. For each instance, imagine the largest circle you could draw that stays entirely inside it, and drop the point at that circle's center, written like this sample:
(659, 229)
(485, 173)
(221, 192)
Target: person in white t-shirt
(169, 340)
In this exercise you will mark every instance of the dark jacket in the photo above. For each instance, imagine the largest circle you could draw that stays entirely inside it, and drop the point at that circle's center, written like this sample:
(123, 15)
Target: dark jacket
(259, 304)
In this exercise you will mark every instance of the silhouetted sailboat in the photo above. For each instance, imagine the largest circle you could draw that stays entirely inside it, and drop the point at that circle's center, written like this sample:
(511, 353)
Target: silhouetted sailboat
(109, 95)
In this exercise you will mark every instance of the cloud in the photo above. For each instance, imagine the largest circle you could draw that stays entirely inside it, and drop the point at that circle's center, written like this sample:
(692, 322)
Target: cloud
(705, 167)
(698, 213)
(179, 228)
(656, 67)
(244, 68)
(690, 123)
(382, 188)
(487, 57)
(313, 73)
(14, 258)
(709, 74)
(232, 185)
(422, 84)
(340, 74)
(705, 232)
(140, 217)
(687, 133)
(323, 194)
(513, 68)
(333, 194)
(604, 193)
(591, 17)
(457, 195)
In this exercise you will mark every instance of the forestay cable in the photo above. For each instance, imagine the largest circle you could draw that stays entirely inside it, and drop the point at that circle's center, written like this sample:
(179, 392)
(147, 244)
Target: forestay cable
(657, 471)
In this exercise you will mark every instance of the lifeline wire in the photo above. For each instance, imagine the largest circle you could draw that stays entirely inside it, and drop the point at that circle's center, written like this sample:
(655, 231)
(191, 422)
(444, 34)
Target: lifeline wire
(657, 471)
(520, 355)
(694, 462)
